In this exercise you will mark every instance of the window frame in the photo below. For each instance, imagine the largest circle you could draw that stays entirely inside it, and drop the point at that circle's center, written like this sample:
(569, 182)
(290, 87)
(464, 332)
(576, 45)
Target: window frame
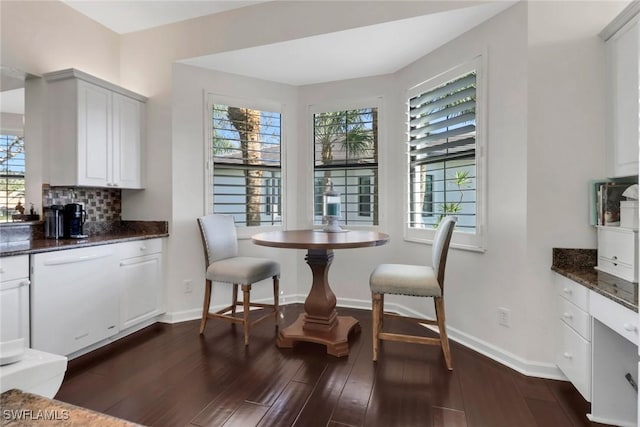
(16, 133)
(243, 232)
(344, 105)
(460, 239)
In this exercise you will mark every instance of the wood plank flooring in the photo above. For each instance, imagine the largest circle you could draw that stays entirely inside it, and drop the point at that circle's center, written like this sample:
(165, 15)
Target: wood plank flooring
(168, 375)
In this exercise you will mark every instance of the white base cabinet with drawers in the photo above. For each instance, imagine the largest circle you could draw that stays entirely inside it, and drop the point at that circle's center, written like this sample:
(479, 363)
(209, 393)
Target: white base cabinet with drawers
(597, 346)
(573, 348)
(82, 297)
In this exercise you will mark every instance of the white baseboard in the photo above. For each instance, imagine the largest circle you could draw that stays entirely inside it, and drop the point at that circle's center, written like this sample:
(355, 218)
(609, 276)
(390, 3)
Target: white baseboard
(525, 367)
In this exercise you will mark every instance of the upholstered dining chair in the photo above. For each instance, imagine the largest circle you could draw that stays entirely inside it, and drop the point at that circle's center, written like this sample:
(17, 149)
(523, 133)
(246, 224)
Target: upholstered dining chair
(223, 264)
(418, 281)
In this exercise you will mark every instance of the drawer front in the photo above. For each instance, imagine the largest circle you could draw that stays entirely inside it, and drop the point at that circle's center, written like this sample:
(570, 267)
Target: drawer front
(573, 292)
(579, 320)
(14, 267)
(139, 248)
(615, 316)
(618, 269)
(573, 357)
(617, 244)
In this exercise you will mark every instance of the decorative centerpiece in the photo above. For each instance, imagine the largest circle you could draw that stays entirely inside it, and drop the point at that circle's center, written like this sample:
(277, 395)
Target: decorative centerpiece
(331, 210)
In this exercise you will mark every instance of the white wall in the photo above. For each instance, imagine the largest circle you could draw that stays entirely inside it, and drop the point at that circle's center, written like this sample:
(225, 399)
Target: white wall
(42, 36)
(478, 283)
(566, 142)
(190, 87)
(529, 48)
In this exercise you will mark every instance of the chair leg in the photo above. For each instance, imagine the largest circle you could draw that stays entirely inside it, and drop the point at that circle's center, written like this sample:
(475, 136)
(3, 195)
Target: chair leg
(234, 300)
(381, 311)
(444, 339)
(276, 299)
(376, 312)
(205, 308)
(246, 291)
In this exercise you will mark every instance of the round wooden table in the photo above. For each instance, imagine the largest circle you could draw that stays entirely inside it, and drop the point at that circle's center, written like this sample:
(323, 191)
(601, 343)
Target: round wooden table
(320, 323)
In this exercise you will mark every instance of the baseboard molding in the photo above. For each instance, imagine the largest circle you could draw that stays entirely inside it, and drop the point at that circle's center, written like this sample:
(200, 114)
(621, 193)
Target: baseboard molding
(525, 367)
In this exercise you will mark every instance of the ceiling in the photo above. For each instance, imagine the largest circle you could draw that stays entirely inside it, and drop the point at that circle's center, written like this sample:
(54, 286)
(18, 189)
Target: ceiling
(126, 16)
(360, 52)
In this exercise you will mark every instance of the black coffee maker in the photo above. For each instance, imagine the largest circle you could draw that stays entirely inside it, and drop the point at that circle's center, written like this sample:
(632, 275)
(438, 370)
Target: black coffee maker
(74, 218)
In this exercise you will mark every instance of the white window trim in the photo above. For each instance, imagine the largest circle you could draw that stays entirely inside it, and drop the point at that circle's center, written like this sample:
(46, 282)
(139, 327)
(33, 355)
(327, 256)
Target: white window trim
(211, 98)
(342, 105)
(460, 239)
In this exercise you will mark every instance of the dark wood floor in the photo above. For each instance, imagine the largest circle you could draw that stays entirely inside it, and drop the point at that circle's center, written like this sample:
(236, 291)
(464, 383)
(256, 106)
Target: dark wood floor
(167, 375)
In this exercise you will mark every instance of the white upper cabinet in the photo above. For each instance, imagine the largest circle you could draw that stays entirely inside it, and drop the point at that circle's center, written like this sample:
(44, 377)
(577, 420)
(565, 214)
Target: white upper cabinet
(96, 132)
(623, 136)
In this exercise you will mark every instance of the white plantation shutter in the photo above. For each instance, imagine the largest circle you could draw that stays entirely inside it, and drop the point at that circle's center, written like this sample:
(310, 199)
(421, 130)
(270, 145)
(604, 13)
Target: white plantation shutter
(442, 148)
(442, 122)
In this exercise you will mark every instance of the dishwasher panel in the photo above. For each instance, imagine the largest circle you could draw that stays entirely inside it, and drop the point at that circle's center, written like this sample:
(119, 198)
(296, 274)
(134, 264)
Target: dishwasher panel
(74, 298)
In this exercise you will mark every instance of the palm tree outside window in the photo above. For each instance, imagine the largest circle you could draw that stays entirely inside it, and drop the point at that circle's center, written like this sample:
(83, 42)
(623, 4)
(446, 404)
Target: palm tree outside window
(246, 165)
(346, 155)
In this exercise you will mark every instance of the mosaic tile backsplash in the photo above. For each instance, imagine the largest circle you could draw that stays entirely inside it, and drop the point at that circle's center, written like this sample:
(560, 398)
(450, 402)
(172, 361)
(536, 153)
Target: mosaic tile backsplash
(101, 204)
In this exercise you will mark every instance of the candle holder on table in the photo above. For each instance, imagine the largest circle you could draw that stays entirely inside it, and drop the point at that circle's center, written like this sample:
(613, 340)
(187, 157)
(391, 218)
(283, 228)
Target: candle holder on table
(331, 210)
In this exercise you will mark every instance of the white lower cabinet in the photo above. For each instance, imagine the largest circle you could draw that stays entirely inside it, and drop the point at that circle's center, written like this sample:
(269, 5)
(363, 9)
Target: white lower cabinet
(140, 276)
(80, 297)
(573, 348)
(14, 299)
(615, 356)
(597, 350)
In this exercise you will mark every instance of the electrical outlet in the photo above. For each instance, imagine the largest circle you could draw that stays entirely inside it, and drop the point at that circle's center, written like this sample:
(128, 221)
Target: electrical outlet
(504, 315)
(188, 286)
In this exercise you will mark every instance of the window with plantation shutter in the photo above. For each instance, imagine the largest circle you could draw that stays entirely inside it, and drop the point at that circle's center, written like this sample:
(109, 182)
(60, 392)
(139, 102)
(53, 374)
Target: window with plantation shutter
(245, 164)
(443, 152)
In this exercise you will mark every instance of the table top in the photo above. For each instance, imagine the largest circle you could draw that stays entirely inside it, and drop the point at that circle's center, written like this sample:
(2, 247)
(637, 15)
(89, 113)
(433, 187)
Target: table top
(318, 239)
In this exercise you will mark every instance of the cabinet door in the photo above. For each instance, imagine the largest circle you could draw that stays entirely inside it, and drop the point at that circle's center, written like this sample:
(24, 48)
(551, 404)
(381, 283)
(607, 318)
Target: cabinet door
(94, 135)
(573, 357)
(14, 310)
(623, 75)
(128, 128)
(141, 289)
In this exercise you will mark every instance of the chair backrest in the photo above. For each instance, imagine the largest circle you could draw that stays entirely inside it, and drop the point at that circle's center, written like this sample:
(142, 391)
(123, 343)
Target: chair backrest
(219, 237)
(441, 247)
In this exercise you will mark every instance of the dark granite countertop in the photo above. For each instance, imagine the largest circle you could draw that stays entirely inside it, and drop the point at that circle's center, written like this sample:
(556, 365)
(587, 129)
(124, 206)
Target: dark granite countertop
(26, 409)
(578, 265)
(125, 231)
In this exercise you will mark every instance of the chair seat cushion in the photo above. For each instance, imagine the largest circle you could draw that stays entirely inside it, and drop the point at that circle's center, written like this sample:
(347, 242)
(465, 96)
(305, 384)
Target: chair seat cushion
(402, 279)
(242, 270)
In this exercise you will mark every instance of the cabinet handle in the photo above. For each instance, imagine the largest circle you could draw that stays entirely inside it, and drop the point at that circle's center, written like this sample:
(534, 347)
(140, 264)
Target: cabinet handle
(629, 327)
(1, 270)
(567, 291)
(567, 355)
(26, 282)
(568, 316)
(143, 248)
(82, 336)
